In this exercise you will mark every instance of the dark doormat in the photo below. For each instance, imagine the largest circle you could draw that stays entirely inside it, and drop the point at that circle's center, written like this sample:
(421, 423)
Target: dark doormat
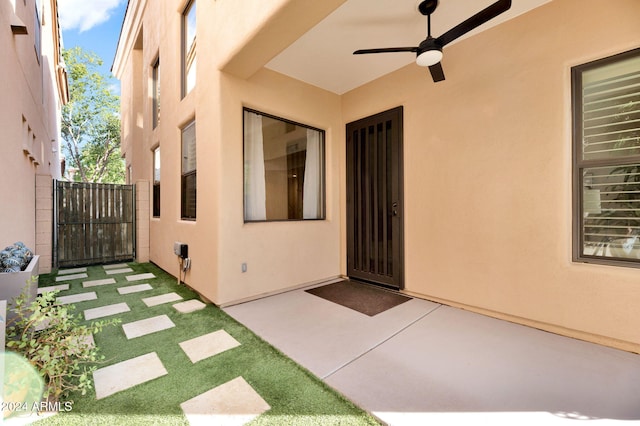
(363, 298)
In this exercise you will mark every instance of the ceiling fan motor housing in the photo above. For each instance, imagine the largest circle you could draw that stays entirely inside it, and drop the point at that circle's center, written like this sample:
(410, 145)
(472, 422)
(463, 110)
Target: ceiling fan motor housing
(429, 52)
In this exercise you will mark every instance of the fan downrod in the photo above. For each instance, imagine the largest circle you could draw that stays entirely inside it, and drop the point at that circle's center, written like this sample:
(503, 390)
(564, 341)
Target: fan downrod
(427, 7)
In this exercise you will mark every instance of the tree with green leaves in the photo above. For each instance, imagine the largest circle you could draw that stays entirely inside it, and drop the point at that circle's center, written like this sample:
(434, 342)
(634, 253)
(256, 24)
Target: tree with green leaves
(91, 121)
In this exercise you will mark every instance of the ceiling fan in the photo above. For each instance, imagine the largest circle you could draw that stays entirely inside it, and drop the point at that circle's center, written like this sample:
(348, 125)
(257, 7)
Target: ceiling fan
(429, 51)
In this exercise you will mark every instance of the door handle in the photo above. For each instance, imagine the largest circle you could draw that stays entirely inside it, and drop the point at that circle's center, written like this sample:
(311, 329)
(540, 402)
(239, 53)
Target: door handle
(395, 208)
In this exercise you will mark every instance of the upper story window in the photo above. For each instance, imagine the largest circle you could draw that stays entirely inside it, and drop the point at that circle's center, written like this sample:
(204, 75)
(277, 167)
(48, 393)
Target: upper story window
(189, 48)
(156, 182)
(188, 181)
(155, 75)
(37, 38)
(283, 169)
(606, 181)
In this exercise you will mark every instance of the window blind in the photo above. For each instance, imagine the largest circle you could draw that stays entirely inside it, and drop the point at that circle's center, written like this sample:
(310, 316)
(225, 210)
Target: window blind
(611, 117)
(609, 161)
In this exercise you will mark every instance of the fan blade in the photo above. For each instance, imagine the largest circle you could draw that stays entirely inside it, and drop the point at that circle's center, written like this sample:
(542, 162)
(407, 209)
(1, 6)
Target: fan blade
(436, 72)
(386, 50)
(475, 21)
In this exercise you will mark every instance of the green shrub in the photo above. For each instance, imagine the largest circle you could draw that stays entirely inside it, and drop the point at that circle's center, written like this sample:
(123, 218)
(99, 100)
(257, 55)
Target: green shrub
(53, 340)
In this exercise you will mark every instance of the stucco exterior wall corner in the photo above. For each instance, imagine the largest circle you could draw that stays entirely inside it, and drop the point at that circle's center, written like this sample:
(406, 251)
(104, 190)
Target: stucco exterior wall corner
(131, 26)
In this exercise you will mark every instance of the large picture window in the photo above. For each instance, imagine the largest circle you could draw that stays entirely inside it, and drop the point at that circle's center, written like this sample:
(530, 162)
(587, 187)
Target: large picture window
(188, 184)
(283, 169)
(606, 105)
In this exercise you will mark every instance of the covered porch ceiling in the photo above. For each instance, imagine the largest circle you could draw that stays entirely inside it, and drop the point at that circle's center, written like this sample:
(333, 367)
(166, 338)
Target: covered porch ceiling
(323, 55)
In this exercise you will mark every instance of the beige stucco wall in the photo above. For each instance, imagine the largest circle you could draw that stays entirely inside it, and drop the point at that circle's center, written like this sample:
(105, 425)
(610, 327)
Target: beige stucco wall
(487, 161)
(279, 255)
(491, 228)
(29, 118)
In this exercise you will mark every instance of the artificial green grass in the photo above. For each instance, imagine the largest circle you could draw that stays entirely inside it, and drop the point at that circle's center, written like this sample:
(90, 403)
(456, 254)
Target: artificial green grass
(295, 395)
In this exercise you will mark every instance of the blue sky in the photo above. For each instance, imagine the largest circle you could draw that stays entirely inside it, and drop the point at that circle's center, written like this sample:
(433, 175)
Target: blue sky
(93, 25)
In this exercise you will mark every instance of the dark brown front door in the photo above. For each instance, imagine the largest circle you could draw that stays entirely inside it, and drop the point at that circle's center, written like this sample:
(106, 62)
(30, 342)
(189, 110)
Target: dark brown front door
(374, 199)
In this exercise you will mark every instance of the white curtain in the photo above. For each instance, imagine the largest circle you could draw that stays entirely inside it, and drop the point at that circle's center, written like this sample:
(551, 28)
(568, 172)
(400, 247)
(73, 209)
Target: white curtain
(254, 177)
(312, 198)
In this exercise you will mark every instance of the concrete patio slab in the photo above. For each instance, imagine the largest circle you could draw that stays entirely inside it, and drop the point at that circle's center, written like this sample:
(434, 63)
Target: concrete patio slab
(231, 404)
(71, 277)
(75, 298)
(105, 311)
(134, 288)
(208, 345)
(163, 298)
(47, 289)
(126, 374)
(139, 277)
(147, 326)
(94, 283)
(449, 366)
(115, 266)
(118, 271)
(189, 306)
(312, 330)
(71, 271)
(456, 362)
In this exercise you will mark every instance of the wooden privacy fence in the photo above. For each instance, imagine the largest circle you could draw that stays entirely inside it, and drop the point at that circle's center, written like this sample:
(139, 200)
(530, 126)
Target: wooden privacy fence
(94, 223)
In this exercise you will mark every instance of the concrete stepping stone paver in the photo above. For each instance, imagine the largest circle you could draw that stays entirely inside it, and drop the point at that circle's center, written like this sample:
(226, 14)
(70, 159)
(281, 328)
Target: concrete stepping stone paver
(115, 266)
(94, 283)
(118, 271)
(71, 277)
(75, 298)
(71, 271)
(232, 403)
(147, 326)
(139, 277)
(53, 288)
(189, 306)
(42, 324)
(163, 298)
(126, 374)
(208, 345)
(134, 288)
(105, 311)
(84, 341)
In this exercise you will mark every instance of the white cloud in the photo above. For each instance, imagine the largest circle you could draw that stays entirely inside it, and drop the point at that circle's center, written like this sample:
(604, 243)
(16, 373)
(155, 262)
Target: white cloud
(85, 14)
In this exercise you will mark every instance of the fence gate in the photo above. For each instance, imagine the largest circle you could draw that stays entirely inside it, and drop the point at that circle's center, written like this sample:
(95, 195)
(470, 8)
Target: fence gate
(94, 223)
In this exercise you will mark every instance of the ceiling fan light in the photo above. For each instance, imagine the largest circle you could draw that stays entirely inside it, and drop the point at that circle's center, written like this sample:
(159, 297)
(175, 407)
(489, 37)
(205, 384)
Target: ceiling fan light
(429, 57)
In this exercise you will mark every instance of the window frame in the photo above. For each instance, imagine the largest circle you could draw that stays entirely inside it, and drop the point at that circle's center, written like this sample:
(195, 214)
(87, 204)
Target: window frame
(579, 164)
(155, 92)
(323, 181)
(155, 193)
(191, 5)
(37, 36)
(188, 175)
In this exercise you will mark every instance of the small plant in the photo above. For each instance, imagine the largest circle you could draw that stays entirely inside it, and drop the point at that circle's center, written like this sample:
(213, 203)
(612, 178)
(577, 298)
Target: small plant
(52, 339)
(15, 258)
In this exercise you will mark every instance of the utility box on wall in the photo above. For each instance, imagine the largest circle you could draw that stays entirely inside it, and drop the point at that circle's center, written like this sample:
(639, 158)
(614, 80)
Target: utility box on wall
(181, 250)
